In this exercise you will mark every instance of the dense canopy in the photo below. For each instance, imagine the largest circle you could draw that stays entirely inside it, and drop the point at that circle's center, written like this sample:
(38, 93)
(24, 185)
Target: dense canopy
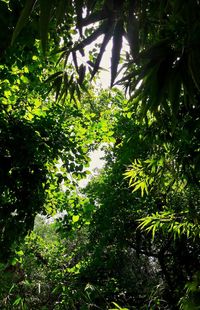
(130, 238)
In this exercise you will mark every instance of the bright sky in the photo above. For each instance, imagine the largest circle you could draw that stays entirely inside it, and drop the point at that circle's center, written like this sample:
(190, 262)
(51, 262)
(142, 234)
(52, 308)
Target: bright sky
(97, 162)
(104, 81)
(104, 75)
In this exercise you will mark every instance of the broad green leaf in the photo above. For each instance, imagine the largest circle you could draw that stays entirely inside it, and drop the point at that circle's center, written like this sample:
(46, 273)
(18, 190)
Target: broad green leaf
(75, 218)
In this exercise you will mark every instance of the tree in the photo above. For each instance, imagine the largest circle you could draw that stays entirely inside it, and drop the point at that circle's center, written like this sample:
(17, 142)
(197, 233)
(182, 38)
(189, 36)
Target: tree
(156, 138)
(35, 135)
(116, 240)
(162, 69)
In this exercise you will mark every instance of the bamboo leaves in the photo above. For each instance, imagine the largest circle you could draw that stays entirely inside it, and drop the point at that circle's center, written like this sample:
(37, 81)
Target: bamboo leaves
(79, 9)
(117, 45)
(107, 19)
(63, 84)
(177, 225)
(138, 179)
(23, 18)
(133, 32)
(45, 15)
(46, 12)
(61, 11)
(106, 39)
(193, 64)
(95, 34)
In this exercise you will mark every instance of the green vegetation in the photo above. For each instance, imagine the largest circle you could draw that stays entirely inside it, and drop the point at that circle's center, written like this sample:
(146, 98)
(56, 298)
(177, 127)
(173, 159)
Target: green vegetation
(130, 238)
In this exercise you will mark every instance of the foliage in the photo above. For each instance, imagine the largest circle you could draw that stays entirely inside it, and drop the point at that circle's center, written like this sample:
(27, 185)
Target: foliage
(117, 307)
(34, 274)
(131, 237)
(191, 298)
(37, 134)
(168, 222)
(164, 67)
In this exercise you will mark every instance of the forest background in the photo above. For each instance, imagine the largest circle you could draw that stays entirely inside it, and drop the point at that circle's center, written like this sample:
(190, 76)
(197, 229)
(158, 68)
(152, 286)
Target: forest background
(130, 238)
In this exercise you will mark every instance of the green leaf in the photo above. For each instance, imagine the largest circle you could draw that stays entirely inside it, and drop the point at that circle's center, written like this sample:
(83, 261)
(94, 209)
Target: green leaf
(75, 218)
(17, 301)
(20, 253)
(117, 307)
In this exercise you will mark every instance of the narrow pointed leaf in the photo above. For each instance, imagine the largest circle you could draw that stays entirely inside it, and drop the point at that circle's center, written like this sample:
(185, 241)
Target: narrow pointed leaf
(133, 32)
(57, 85)
(117, 44)
(90, 4)
(61, 94)
(98, 32)
(61, 9)
(82, 70)
(79, 8)
(65, 86)
(23, 18)
(78, 92)
(53, 76)
(193, 66)
(45, 15)
(175, 92)
(94, 17)
(75, 60)
(106, 39)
